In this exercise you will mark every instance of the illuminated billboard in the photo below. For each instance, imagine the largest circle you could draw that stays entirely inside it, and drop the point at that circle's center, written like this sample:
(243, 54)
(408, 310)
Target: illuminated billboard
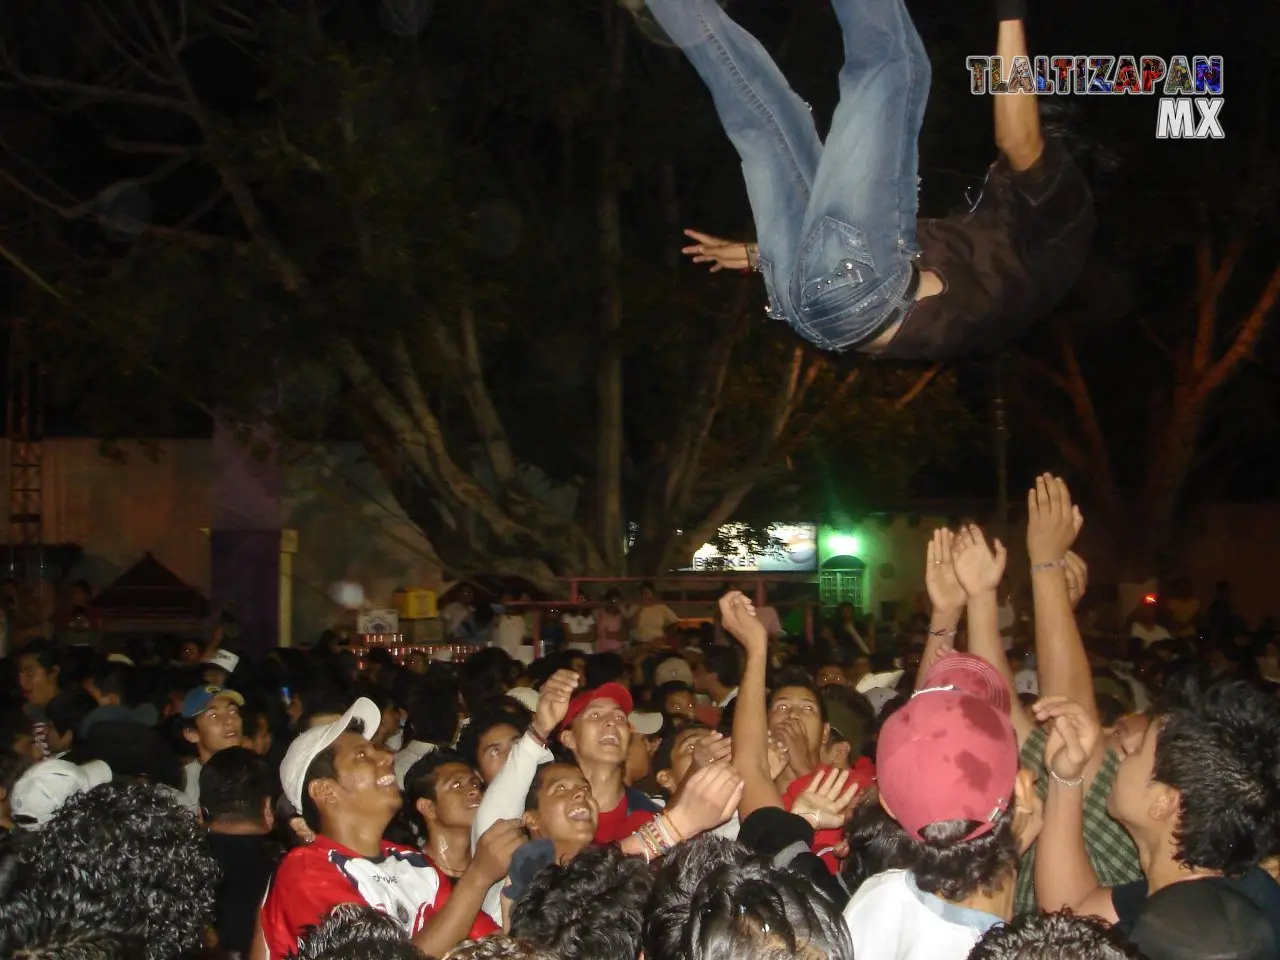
(788, 548)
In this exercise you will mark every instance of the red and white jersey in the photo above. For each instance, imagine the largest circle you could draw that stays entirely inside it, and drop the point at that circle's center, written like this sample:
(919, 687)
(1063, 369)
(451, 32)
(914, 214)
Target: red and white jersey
(312, 880)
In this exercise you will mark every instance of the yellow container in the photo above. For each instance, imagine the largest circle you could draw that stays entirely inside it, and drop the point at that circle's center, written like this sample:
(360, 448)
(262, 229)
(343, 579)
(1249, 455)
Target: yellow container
(418, 605)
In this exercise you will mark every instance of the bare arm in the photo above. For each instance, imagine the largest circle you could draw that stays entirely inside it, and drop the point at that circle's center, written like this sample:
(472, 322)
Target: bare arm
(1061, 662)
(980, 569)
(947, 598)
(1064, 876)
(1017, 114)
(750, 715)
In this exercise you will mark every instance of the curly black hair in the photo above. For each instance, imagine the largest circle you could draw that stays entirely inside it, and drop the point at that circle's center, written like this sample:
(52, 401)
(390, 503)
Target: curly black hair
(951, 868)
(494, 714)
(1053, 936)
(1220, 749)
(234, 784)
(44, 937)
(356, 931)
(713, 899)
(498, 948)
(592, 908)
(118, 859)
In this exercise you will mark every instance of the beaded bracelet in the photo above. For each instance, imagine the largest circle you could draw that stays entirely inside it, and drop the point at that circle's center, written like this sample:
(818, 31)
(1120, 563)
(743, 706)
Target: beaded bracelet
(943, 633)
(1049, 565)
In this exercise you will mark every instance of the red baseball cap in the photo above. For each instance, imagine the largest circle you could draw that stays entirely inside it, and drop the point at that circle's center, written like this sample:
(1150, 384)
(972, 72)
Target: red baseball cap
(607, 691)
(966, 673)
(947, 755)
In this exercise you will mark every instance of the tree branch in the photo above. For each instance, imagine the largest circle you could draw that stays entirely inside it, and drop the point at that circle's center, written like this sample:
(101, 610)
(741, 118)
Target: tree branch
(112, 142)
(454, 481)
(1244, 340)
(465, 361)
(918, 387)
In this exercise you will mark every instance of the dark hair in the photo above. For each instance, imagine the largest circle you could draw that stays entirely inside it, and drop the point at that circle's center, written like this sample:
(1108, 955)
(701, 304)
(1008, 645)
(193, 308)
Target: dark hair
(1053, 936)
(44, 651)
(723, 663)
(662, 757)
(433, 713)
(321, 696)
(604, 668)
(712, 899)
(420, 784)
(796, 677)
(505, 711)
(1220, 749)
(498, 947)
(234, 784)
(66, 711)
(484, 672)
(540, 775)
(41, 937)
(121, 858)
(876, 841)
(322, 768)
(951, 868)
(592, 908)
(111, 677)
(356, 931)
(659, 696)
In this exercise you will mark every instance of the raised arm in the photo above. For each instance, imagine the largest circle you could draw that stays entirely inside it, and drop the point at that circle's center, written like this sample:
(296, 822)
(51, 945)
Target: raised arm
(1061, 663)
(1017, 114)
(1064, 877)
(947, 598)
(750, 715)
(980, 568)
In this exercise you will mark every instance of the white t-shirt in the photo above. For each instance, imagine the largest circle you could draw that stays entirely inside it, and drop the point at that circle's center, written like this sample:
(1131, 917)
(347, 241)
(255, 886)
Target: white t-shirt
(191, 784)
(890, 918)
(578, 625)
(408, 755)
(1149, 635)
(509, 631)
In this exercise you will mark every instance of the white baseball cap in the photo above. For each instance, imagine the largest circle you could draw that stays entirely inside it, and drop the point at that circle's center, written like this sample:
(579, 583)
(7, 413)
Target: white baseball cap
(45, 787)
(879, 698)
(311, 743)
(225, 659)
(527, 697)
(872, 681)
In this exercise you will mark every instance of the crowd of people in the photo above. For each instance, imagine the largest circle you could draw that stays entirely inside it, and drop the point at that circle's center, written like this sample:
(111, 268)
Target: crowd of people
(754, 798)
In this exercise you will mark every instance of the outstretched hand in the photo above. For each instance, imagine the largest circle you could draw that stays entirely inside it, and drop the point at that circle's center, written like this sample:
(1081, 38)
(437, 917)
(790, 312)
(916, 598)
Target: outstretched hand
(721, 254)
(945, 592)
(1053, 522)
(979, 565)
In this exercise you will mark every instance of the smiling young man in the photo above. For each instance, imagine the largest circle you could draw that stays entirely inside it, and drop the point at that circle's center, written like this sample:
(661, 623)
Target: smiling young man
(211, 723)
(345, 788)
(597, 731)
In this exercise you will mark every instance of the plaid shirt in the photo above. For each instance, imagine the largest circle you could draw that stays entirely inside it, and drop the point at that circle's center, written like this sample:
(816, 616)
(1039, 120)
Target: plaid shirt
(1110, 848)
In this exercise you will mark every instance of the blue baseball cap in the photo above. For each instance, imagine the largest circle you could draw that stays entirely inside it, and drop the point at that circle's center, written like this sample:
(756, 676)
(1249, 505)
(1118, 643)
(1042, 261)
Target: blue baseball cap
(198, 699)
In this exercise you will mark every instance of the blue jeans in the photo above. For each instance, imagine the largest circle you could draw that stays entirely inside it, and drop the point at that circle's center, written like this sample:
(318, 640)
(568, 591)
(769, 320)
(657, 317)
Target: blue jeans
(835, 223)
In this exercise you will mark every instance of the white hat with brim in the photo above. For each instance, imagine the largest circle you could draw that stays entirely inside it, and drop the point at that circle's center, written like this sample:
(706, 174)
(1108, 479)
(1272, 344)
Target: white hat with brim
(872, 681)
(311, 743)
(40, 792)
(225, 659)
(527, 697)
(646, 722)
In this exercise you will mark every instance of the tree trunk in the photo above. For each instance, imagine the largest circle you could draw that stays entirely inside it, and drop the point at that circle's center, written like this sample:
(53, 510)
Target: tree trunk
(610, 531)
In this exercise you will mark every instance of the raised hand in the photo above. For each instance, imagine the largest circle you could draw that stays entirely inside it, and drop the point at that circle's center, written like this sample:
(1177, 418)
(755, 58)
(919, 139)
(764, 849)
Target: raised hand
(1077, 578)
(707, 799)
(738, 615)
(1053, 522)
(794, 745)
(979, 566)
(721, 254)
(945, 592)
(553, 702)
(493, 853)
(1073, 735)
(827, 801)
(713, 748)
